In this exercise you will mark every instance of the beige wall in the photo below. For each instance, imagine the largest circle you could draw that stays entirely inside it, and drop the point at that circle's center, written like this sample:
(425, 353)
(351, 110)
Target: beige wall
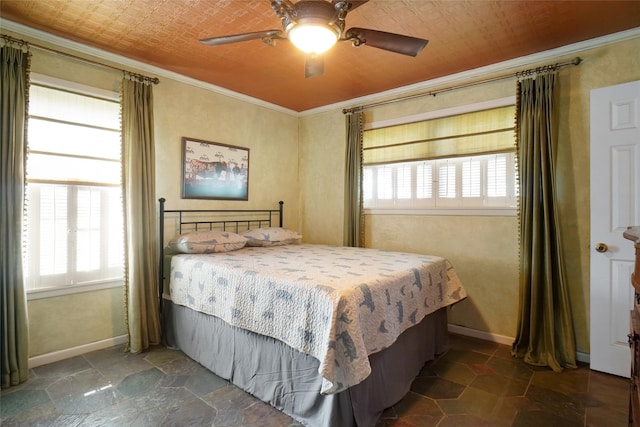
(484, 250)
(180, 109)
(301, 161)
(322, 168)
(271, 136)
(604, 66)
(63, 322)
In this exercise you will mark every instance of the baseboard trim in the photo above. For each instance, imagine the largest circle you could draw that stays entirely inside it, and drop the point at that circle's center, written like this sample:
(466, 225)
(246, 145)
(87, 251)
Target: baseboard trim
(501, 339)
(583, 357)
(67, 353)
(487, 336)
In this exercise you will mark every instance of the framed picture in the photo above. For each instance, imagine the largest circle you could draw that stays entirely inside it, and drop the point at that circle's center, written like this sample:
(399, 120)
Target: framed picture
(211, 170)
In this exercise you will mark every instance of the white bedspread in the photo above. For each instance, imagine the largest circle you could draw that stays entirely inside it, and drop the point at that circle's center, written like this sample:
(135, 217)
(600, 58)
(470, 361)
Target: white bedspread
(337, 304)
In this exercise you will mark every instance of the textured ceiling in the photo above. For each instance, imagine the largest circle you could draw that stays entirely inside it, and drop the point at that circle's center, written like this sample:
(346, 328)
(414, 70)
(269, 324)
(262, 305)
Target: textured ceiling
(462, 35)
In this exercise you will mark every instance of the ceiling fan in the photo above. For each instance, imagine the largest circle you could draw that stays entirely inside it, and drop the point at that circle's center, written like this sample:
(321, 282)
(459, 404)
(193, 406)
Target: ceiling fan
(314, 26)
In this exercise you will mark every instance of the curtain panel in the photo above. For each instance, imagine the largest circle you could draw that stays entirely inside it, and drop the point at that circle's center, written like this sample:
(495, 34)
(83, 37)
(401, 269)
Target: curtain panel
(545, 334)
(141, 243)
(354, 218)
(14, 87)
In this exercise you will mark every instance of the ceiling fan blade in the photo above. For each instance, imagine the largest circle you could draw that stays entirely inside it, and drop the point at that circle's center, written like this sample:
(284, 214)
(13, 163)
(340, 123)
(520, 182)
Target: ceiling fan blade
(356, 3)
(339, 4)
(405, 45)
(257, 35)
(313, 65)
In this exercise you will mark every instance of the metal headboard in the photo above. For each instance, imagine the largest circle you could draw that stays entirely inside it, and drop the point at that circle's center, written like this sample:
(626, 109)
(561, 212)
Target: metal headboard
(210, 219)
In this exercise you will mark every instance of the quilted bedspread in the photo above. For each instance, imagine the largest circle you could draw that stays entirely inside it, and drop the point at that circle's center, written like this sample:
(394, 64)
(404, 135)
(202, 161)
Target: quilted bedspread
(337, 304)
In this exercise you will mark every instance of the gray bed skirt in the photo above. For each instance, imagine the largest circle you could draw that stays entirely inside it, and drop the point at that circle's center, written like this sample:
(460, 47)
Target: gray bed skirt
(288, 379)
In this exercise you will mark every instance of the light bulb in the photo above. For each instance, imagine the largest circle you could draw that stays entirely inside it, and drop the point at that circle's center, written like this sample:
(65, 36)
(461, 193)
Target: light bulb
(312, 38)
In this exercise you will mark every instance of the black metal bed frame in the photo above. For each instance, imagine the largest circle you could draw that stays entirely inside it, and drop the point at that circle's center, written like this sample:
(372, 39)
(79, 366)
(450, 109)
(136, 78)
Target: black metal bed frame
(256, 218)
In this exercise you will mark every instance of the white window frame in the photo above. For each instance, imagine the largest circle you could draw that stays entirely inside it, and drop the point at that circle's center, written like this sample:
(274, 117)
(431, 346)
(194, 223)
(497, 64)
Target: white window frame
(457, 203)
(439, 205)
(71, 288)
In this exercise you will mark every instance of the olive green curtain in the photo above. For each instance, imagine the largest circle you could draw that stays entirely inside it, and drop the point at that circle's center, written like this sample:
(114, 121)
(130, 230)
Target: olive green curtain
(545, 335)
(354, 222)
(14, 87)
(141, 243)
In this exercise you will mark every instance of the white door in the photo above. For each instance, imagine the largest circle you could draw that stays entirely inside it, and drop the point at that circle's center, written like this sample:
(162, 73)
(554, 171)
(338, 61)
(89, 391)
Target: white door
(615, 205)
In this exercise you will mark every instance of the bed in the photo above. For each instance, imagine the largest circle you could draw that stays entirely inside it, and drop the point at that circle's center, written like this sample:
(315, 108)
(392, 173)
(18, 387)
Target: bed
(329, 335)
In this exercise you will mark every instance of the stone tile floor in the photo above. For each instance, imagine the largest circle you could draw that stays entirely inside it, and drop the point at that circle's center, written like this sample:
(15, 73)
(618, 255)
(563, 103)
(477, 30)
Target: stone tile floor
(476, 383)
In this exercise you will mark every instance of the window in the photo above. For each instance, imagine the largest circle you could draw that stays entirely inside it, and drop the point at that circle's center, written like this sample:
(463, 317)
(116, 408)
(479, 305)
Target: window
(474, 182)
(456, 159)
(74, 212)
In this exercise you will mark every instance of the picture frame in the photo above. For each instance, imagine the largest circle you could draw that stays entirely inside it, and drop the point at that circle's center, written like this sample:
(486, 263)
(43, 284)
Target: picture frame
(211, 170)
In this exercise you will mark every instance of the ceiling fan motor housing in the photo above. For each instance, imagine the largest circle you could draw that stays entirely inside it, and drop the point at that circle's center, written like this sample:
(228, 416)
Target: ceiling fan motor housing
(309, 12)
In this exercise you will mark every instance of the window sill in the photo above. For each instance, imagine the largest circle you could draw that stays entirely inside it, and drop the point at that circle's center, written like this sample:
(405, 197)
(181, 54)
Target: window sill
(33, 294)
(444, 212)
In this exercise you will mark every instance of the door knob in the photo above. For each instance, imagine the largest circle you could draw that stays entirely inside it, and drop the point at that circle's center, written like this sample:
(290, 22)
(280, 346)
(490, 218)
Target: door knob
(601, 247)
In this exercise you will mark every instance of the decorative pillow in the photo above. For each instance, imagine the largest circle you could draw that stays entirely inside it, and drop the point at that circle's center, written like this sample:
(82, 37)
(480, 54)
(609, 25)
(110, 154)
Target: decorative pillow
(206, 242)
(271, 236)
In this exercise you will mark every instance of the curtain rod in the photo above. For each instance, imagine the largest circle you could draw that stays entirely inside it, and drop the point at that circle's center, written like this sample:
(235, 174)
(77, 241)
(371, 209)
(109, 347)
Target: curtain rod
(21, 43)
(519, 74)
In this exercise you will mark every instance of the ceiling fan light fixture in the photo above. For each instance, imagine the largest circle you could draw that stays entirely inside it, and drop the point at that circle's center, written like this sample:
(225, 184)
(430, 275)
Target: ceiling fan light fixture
(313, 38)
(314, 26)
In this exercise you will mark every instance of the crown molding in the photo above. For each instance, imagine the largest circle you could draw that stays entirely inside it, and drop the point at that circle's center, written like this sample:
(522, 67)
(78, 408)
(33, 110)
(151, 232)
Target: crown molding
(505, 67)
(450, 80)
(76, 48)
